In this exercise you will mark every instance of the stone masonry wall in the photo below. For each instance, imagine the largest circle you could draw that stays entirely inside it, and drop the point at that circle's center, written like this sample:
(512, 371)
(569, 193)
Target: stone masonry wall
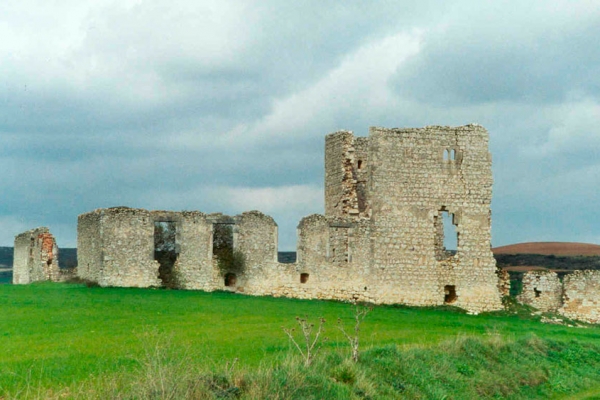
(409, 178)
(542, 290)
(581, 299)
(35, 257)
(256, 238)
(116, 248)
(193, 268)
(380, 239)
(89, 246)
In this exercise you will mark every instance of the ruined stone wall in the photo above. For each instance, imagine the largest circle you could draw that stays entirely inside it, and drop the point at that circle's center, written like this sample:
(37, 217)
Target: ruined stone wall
(361, 174)
(581, 299)
(35, 257)
(122, 253)
(503, 282)
(256, 238)
(116, 247)
(411, 176)
(381, 239)
(411, 183)
(542, 290)
(90, 255)
(341, 198)
(194, 267)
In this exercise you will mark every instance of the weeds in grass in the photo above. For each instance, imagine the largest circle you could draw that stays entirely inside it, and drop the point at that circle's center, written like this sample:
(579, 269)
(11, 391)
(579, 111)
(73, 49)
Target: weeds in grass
(309, 342)
(463, 368)
(360, 312)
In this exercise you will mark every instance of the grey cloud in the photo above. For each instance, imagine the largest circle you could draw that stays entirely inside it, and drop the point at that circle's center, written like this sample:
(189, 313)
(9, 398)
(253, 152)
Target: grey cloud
(463, 65)
(152, 109)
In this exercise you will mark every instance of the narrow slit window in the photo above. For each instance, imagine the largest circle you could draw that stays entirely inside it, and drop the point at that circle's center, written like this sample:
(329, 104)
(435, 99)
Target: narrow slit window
(446, 235)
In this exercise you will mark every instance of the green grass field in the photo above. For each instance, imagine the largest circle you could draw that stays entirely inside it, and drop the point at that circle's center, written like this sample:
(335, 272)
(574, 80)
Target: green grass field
(54, 336)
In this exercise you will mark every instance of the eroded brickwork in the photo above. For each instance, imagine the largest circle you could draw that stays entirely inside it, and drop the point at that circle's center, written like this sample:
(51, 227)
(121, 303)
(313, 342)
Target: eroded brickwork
(542, 290)
(35, 257)
(581, 299)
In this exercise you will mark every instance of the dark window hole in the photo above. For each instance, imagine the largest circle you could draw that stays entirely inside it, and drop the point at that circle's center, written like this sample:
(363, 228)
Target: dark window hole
(230, 279)
(450, 294)
(304, 278)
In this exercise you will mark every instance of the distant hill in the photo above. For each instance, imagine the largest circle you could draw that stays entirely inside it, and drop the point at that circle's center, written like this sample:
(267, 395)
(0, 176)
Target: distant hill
(67, 257)
(550, 248)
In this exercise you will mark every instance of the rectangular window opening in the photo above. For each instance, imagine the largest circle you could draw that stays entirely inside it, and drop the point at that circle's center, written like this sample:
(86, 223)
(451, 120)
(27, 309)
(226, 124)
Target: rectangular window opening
(229, 262)
(446, 235)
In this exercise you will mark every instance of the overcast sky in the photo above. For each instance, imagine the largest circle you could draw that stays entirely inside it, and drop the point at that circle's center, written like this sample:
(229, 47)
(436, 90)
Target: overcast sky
(223, 105)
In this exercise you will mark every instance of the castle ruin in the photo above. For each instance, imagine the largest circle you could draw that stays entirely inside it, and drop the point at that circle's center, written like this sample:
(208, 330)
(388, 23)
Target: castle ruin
(35, 257)
(381, 239)
(577, 296)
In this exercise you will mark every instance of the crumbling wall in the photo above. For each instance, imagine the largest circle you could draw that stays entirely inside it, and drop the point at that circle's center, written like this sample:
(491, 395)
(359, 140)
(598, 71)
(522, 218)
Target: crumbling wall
(411, 182)
(581, 299)
(121, 252)
(256, 239)
(341, 198)
(542, 290)
(90, 255)
(116, 247)
(194, 267)
(35, 257)
(380, 240)
(503, 282)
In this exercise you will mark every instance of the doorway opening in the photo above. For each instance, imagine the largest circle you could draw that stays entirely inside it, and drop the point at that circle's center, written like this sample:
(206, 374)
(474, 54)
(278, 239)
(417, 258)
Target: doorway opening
(165, 251)
(450, 294)
(230, 280)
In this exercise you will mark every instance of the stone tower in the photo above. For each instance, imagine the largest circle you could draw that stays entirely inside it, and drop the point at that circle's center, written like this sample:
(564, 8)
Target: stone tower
(35, 257)
(401, 183)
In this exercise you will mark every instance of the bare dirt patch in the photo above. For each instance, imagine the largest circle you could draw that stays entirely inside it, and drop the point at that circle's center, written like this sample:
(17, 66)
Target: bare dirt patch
(550, 248)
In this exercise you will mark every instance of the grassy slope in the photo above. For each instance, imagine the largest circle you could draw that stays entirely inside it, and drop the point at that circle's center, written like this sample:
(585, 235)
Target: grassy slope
(60, 334)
